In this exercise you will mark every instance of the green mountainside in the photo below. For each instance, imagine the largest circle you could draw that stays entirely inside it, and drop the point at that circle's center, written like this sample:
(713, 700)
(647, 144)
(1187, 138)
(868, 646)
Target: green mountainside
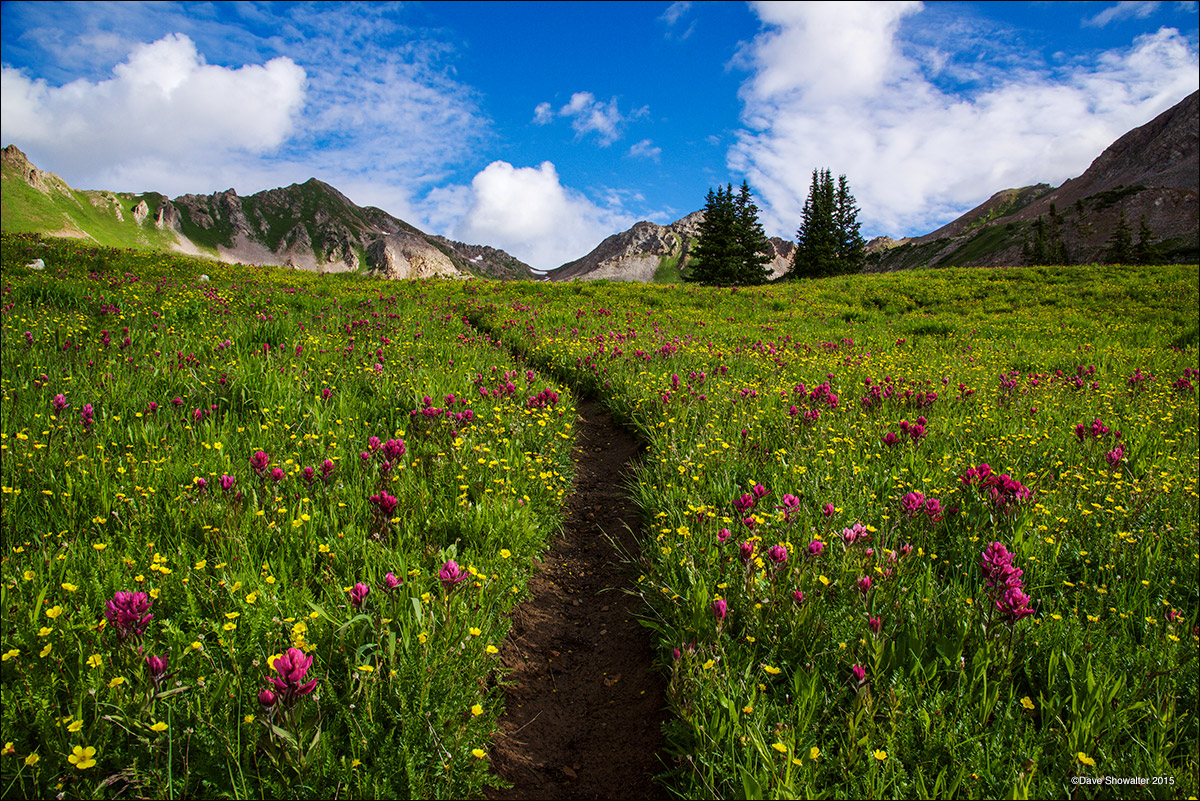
(308, 226)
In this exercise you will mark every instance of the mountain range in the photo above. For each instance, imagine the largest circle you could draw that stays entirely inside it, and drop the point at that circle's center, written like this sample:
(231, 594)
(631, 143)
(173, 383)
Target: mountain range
(1152, 173)
(309, 226)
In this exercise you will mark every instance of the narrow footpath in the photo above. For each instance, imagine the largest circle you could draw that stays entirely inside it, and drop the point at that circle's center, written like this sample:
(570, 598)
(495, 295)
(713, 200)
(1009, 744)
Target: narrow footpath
(584, 709)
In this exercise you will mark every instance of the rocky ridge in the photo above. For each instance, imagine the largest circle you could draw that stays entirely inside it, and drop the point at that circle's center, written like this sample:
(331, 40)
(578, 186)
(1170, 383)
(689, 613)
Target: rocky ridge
(648, 250)
(1151, 171)
(309, 226)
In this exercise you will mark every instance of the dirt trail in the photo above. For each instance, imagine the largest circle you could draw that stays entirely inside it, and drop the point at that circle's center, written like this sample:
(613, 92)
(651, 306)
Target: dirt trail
(585, 712)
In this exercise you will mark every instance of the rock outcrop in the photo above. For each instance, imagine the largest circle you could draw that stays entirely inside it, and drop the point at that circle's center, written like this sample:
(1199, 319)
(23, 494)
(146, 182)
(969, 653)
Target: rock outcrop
(15, 160)
(639, 253)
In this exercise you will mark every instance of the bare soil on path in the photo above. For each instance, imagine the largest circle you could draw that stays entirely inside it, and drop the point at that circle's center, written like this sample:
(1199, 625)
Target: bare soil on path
(584, 709)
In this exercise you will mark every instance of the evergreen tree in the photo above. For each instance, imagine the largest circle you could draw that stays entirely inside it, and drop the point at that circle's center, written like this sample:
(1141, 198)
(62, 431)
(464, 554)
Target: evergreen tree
(752, 241)
(1120, 244)
(1144, 252)
(1056, 251)
(715, 247)
(850, 241)
(1037, 250)
(828, 241)
(731, 249)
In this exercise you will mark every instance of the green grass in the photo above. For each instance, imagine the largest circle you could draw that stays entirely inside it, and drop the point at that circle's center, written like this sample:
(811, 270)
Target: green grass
(28, 210)
(954, 700)
(304, 368)
(744, 436)
(668, 271)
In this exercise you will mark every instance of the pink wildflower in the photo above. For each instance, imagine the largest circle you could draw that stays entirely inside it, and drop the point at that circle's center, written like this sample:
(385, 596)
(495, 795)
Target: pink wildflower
(451, 575)
(292, 667)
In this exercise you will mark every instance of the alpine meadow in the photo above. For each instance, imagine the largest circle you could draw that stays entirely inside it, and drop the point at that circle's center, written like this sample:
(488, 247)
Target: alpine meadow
(924, 534)
(856, 457)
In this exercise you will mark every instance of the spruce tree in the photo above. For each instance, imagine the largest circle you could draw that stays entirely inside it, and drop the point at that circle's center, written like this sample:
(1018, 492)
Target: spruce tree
(816, 240)
(828, 241)
(1144, 252)
(1120, 244)
(752, 241)
(850, 241)
(731, 249)
(716, 247)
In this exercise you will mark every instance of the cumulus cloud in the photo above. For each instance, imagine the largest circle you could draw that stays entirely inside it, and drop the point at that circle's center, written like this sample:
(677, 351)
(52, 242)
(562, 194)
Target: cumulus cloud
(645, 149)
(160, 105)
(543, 114)
(589, 115)
(836, 85)
(1126, 9)
(529, 213)
(346, 94)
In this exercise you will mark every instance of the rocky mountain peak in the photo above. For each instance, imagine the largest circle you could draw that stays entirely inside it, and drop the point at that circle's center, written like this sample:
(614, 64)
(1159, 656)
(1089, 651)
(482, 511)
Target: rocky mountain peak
(16, 161)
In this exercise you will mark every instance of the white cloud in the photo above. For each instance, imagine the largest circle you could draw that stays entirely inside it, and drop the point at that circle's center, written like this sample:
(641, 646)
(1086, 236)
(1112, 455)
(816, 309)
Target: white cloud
(543, 114)
(161, 105)
(833, 85)
(645, 149)
(1126, 9)
(359, 101)
(589, 115)
(529, 213)
(674, 13)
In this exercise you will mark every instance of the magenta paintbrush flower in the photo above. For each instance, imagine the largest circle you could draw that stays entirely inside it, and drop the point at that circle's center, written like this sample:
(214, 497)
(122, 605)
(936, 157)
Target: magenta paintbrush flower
(777, 554)
(451, 575)
(157, 667)
(292, 667)
(259, 462)
(128, 613)
(1014, 604)
(385, 503)
(358, 594)
(720, 609)
(744, 503)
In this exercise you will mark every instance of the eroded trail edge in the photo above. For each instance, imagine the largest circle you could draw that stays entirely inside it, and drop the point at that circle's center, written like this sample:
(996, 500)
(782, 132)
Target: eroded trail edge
(584, 708)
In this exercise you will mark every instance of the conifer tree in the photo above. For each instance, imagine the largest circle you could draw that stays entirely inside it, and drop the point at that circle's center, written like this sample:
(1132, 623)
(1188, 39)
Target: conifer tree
(1120, 244)
(731, 249)
(752, 241)
(715, 247)
(1144, 252)
(828, 241)
(850, 241)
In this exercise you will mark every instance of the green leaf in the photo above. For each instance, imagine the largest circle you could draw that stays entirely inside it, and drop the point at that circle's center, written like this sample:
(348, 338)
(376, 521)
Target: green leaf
(751, 788)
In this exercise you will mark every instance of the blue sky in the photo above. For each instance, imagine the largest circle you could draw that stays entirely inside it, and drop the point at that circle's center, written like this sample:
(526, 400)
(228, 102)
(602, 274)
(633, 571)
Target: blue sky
(541, 128)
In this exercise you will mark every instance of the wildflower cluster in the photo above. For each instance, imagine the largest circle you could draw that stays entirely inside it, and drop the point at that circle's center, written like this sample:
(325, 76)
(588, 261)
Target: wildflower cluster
(1004, 584)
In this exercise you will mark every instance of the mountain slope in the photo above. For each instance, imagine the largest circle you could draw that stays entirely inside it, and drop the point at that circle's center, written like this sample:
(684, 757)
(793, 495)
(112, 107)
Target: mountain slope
(652, 252)
(1153, 170)
(309, 226)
